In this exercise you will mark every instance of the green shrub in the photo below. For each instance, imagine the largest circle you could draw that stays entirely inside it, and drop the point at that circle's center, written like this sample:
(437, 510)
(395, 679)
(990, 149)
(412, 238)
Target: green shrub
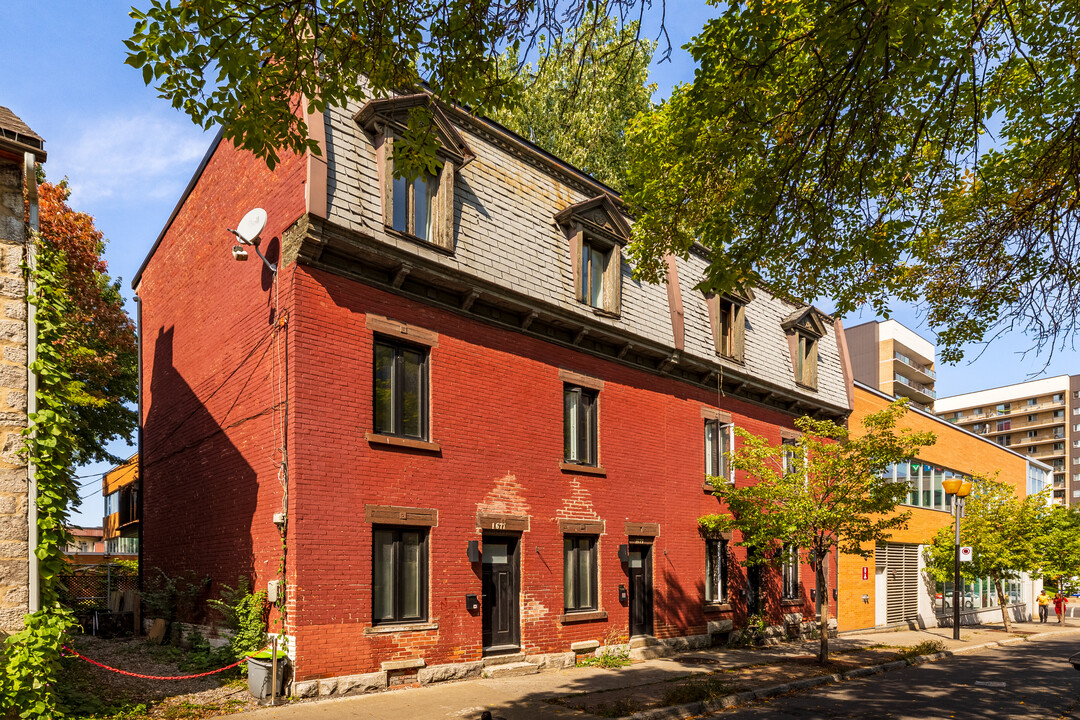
(245, 615)
(926, 647)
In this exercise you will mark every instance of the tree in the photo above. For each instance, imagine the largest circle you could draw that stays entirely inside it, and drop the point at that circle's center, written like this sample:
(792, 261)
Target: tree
(1003, 533)
(828, 492)
(581, 94)
(1058, 548)
(97, 346)
(254, 68)
(926, 152)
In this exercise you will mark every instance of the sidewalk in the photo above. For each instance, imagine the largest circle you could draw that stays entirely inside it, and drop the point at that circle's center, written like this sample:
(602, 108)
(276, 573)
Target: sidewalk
(531, 697)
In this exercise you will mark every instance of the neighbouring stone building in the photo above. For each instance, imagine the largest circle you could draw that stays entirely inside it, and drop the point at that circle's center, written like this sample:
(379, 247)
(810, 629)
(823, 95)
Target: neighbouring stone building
(20, 149)
(482, 440)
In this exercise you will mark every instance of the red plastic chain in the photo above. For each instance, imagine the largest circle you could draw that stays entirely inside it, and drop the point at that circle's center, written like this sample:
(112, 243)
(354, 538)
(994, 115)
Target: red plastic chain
(157, 677)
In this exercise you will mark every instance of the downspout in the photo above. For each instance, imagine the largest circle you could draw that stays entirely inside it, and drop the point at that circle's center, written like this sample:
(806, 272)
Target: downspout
(30, 171)
(139, 439)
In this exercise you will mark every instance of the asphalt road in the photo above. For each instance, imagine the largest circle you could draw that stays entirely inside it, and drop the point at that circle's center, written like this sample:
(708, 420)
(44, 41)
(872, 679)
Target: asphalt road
(1027, 680)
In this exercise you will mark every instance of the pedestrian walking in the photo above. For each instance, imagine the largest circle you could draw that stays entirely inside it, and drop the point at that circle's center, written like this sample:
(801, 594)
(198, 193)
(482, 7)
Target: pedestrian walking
(1043, 601)
(1060, 603)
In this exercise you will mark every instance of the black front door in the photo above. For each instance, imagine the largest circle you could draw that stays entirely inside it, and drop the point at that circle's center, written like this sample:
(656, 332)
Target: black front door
(641, 610)
(752, 591)
(501, 632)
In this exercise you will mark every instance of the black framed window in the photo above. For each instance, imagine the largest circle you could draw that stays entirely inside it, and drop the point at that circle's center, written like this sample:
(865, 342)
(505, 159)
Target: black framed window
(790, 570)
(579, 572)
(401, 390)
(717, 446)
(399, 575)
(716, 570)
(579, 425)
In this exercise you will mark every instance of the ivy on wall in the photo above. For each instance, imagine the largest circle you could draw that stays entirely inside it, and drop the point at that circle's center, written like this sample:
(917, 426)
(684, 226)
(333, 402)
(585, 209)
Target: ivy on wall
(31, 660)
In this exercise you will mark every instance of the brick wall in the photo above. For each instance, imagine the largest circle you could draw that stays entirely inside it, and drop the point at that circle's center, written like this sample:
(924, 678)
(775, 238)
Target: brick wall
(496, 406)
(14, 551)
(954, 449)
(211, 357)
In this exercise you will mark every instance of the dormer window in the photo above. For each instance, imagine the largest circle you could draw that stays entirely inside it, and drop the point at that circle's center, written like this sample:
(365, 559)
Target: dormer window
(597, 231)
(727, 317)
(413, 205)
(804, 328)
(421, 209)
(594, 265)
(806, 361)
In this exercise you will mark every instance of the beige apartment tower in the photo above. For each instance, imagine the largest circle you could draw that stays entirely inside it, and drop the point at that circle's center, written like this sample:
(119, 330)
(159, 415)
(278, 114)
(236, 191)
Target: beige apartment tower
(1040, 419)
(893, 359)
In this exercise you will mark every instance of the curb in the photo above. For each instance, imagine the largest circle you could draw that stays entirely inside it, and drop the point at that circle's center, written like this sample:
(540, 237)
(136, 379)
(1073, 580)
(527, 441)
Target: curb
(687, 710)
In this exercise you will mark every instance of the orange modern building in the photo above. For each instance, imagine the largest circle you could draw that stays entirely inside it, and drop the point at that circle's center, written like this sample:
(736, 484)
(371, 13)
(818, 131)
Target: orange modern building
(890, 587)
(123, 510)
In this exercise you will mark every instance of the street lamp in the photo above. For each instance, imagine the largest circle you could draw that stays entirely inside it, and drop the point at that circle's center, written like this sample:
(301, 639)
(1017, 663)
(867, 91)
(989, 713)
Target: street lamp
(960, 489)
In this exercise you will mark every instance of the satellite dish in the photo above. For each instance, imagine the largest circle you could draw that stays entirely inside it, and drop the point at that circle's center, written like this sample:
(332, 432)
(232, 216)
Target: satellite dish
(249, 228)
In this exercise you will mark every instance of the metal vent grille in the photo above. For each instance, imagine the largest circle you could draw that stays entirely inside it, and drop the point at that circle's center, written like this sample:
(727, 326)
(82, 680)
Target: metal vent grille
(902, 581)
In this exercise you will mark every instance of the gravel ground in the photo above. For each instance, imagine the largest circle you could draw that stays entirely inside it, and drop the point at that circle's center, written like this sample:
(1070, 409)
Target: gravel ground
(172, 699)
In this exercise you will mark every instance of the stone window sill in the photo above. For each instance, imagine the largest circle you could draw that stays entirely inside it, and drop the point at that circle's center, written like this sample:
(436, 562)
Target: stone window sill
(389, 629)
(393, 440)
(576, 617)
(583, 469)
(791, 601)
(717, 607)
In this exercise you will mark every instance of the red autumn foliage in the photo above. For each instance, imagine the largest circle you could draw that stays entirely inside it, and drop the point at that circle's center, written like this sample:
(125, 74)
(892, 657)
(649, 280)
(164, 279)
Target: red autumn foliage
(99, 347)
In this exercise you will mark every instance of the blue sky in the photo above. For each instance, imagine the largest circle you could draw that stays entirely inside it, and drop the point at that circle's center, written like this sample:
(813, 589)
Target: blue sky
(128, 155)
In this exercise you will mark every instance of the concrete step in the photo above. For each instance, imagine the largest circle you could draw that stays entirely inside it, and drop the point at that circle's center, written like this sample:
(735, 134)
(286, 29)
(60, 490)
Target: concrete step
(493, 660)
(640, 641)
(651, 652)
(513, 669)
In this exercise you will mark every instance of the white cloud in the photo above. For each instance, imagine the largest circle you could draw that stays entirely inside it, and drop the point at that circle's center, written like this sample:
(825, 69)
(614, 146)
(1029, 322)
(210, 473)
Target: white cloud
(128, 159)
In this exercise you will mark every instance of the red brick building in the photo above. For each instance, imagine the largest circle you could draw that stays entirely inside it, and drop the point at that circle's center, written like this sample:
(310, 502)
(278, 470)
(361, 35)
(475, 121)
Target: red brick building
(477, 434)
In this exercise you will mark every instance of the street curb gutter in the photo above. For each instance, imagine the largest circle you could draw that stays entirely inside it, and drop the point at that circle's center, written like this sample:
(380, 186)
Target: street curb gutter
(687, 710)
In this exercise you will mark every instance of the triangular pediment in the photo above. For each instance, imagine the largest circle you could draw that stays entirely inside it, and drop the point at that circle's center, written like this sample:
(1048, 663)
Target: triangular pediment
(598, 215)
(739, 296)
(394, 113)
(808, 320)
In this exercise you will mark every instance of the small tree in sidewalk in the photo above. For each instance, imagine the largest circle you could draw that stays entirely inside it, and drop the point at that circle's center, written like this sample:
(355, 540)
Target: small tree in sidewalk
(829, 491)
(1003, 532)
(1057, 547)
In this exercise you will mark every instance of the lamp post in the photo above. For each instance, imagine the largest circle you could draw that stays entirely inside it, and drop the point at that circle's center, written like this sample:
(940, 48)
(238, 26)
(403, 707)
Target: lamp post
(960, 489)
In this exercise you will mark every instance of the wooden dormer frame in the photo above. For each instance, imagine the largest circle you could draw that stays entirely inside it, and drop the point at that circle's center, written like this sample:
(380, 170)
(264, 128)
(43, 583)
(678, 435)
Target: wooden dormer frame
(731, 342)
(804, 328)
(386, 119)
(597, 221)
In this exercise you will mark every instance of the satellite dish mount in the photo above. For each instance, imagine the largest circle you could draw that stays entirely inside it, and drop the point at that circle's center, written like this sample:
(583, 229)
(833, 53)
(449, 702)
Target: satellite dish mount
(247, 234)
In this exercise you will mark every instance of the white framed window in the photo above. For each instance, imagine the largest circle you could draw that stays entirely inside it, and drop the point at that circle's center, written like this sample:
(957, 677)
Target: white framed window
(112, 503)
(718, 443)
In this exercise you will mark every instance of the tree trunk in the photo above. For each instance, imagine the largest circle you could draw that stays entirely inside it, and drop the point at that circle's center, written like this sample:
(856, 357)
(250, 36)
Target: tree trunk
(1002, 602)
(822, 609)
